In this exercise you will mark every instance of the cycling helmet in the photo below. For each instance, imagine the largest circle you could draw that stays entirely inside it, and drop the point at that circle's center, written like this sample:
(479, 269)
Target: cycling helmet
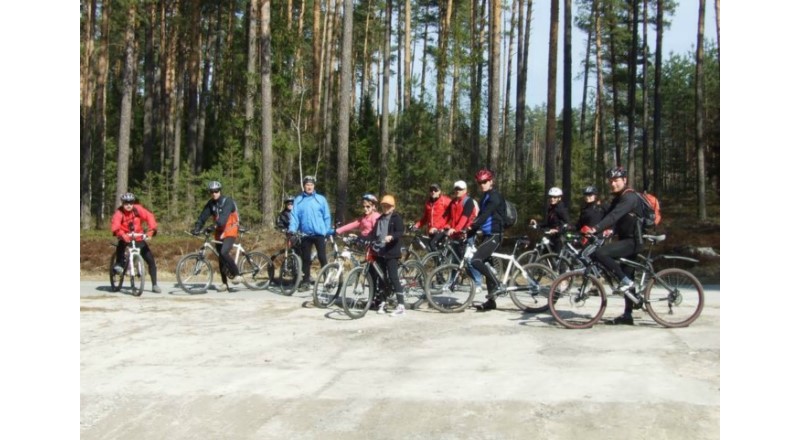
(589, 190)
(615, 172)
(128, 197)
(214, 186)
(484, 174)
(370, 198)
(555, 192)
(287, 200)
(309, 179)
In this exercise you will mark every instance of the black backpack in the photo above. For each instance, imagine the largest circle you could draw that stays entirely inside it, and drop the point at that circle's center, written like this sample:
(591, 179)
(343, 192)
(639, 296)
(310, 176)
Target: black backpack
(509, 214)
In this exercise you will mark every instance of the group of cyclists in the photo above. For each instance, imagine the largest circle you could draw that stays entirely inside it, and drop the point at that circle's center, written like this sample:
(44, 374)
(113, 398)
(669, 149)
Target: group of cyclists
(478, 220)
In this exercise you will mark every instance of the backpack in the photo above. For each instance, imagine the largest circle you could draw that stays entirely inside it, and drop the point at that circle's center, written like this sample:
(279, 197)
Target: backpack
(651, 210)
(509, 214)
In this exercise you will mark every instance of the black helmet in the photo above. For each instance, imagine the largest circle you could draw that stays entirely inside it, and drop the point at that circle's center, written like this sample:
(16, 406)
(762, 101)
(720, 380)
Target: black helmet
(287, 200)
(128, 197)
(615, 172)
(589, 190)
(214, 186)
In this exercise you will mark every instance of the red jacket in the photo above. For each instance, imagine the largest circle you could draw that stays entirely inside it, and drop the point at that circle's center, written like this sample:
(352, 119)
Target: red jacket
(435, 213)
(122, 219)
(461, 213)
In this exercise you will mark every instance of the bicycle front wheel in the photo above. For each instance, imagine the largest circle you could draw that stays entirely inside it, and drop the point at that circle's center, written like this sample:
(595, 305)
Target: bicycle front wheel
(357, 293)
(449, 289)
(287, 269)
(254, 269)
(674, 298)
(329, 281)
(137, 275)
(412, 278)
(577, 300)
(537, 280)
(194, 274)
(116, 278)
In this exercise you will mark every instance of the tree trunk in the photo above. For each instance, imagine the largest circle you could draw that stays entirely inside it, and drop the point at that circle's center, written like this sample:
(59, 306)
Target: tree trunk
(699, 134)
(657, 98)
(645, 103)
(522, 84)
(128, 72)
(267, 197)
(407, 59)
(344, 111)
(612, 23)
(476, 73)
(716, 15)
(149, 120)
(445, 11)
(633, 51)
(424, 62)
(192, 94)
(566, 164)
(586, 70)
(87, 98)
(552, 71)
(493, 155)
(507, 100)
(252, 85)
(387, 54)
(599, 118)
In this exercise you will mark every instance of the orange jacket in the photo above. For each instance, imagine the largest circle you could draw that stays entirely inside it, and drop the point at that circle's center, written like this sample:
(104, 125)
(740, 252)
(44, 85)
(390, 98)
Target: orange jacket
(122, 220)
(225, 215)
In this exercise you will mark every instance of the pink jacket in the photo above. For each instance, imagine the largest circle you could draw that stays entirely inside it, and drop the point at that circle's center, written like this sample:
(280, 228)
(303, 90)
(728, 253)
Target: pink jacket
(365, 225)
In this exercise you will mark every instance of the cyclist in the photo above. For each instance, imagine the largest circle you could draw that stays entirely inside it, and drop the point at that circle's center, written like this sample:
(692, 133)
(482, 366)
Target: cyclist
(366, 223)
(386, 235)
(623, 215)
(490, 222)
(282, 222)
(593, 209)
(226, 229)
(462, 211)
(311, 215)
(129, 218)
(434, 214)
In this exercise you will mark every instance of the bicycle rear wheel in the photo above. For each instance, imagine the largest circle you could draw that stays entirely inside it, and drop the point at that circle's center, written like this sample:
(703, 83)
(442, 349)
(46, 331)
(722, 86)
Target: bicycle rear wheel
(674, 298)
(115, 278)
(357, 293)
(412, 278)
(553, 262)
(287, 270)
(329, 281)
(577, 300)
(137, 276)
(254, 269)
(194, 274)
(528, 257)
(449, 289)
(537, 283)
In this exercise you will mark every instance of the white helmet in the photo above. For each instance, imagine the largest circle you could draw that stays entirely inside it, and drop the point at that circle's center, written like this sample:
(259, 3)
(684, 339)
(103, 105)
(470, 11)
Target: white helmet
(554, 192)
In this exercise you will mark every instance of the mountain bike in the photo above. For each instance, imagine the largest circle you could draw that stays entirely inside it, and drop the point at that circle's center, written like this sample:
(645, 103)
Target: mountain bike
(287, 266)
(450, 288)
(330, 278)
(672, 297)
(360, 289)
(418, 245)
(132, 266)
(567, 258)
(195, 271)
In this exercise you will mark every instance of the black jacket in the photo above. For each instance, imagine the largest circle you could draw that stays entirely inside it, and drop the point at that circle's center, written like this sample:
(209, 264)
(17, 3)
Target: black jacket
(395, 229)
(557, 216)
(489, 219)
(282, 222)
(623, 215)
(591, 214)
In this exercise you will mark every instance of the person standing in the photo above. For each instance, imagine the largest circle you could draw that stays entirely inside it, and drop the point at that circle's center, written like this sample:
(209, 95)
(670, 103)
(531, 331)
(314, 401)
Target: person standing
(128, 218)
(226, 229)
(387, 233)
(434, 214)
(311, 216)
(490, 222)
(285, 217)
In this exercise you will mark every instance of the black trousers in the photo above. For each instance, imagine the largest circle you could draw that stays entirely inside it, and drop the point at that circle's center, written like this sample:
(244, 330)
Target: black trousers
(146, 254)
(483, 253)
(607, 256)
(225, 258)
(305, 254)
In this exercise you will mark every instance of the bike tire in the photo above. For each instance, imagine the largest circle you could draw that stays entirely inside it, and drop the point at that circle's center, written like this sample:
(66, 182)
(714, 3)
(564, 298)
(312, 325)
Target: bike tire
(115, 278)
(288, 270)
(328, 285)
(409, 255)
(412, 278)
(577, 300)
(357, 293)
(450, 289)
(254, 269)
(431, 261)
(137, 277)
(528, 257)
(194, 273)
(536, 297)
(674, 298)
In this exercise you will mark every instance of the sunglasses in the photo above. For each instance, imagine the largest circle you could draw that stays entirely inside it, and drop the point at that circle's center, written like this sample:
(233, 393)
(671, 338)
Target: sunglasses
(214, 191)
(481, 182)
(127, 203)
(434, 190)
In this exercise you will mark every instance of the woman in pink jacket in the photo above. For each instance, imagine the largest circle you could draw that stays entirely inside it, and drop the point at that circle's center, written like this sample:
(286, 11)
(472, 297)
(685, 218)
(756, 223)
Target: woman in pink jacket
(366, 223)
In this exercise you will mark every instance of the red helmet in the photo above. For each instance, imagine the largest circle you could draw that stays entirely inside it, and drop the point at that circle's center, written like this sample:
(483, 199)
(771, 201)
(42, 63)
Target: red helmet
(484, 174)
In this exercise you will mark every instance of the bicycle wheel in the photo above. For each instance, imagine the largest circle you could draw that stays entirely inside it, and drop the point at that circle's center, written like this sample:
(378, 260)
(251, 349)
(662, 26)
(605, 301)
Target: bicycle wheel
(674, 298)
(537, 280)
(329, 281)
(137, 276)
(409, 255)
(431, 261)
(577, 300)
(287, 269)
(412, 278)
(115, 278)
(254, 269)
(357, 293)
(449, 289)
(528, 257)
(194, 274)
(556, 264)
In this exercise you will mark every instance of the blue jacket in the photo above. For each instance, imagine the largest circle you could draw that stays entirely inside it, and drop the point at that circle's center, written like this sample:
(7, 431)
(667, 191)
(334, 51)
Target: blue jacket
(310, 215)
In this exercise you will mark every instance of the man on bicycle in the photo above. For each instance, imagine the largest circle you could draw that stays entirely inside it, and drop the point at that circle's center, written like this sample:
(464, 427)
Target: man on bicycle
(129, 218)
(226, 229)
(623, 216)
(490, 221)
(461, 213)
(311, 216)
(434, 215)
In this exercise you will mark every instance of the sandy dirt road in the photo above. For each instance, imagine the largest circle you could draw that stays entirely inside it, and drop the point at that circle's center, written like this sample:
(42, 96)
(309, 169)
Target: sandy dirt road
(257, 365)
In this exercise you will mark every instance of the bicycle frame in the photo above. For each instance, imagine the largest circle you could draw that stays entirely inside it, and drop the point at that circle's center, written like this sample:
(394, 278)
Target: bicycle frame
(513, 260)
